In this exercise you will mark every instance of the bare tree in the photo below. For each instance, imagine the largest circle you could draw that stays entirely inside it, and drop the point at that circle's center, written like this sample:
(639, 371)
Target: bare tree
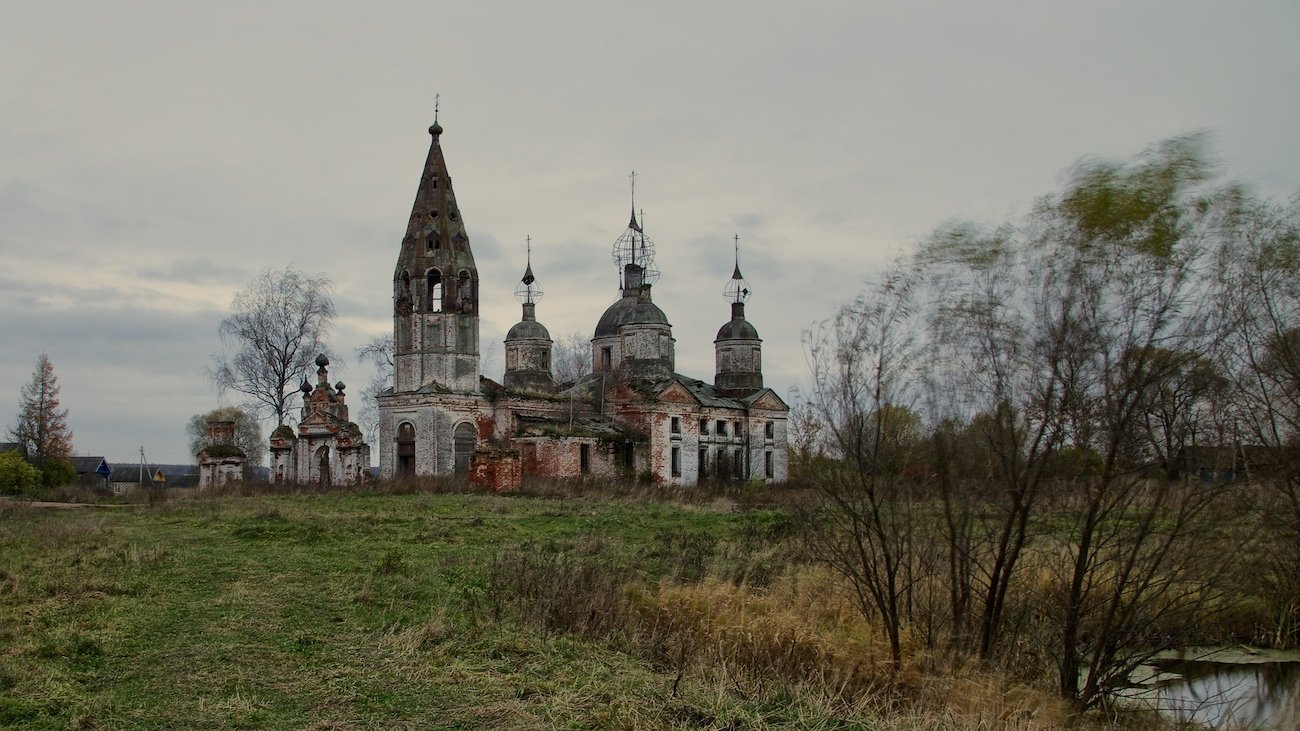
(863, 387)
(572, 358)
(379, 352)
(1129, 243)
(276, 328)
(1259, 305)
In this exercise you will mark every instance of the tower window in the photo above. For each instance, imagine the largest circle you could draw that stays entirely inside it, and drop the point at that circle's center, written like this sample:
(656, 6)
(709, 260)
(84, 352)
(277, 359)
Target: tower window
(769, 430)
(704, 427)
(607, 357)
(740, 429)
(434, 290)
(722, 427)
(675, 425)
(767, 464)
(584, 459)
(677, 462)
(435, 240)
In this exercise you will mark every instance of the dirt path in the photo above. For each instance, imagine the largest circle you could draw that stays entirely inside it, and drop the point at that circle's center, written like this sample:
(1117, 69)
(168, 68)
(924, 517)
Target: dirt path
(59, 506)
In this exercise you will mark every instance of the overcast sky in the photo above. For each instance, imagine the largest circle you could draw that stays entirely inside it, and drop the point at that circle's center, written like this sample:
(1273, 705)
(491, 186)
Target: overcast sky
(154, 156)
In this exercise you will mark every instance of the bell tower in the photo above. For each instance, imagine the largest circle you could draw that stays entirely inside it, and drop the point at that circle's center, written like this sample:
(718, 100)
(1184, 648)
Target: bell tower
(435, 289)
(738, 351)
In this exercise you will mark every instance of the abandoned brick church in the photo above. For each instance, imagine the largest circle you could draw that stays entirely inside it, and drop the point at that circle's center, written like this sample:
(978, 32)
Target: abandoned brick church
(632, 416)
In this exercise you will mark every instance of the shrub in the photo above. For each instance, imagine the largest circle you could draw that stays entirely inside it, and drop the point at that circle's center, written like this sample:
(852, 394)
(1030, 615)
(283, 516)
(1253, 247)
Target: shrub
(17, 477)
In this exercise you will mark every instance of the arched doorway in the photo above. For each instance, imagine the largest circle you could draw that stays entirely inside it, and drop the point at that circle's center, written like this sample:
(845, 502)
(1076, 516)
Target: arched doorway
(323, 465)
(463, 442)
(405, 449)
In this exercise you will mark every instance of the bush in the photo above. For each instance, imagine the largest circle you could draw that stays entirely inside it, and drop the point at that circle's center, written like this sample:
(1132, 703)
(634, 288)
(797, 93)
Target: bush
(57, 472)
(17, 477)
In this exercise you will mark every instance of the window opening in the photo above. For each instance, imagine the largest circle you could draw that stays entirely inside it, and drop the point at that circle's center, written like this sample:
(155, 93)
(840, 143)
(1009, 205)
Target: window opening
(584, 458)
(405, 449)
(767, 464)
(675, 425)
(704, 427)
(722, 427)
(607, 357)
(769, 430)
(677, 462)
(434, 291)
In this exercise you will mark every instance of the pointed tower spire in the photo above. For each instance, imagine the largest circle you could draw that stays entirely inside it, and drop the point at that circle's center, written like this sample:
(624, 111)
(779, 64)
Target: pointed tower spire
(435, 286)
(738, 349)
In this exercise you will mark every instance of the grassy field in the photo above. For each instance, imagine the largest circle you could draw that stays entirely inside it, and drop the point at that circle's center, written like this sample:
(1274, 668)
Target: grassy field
(353, 610)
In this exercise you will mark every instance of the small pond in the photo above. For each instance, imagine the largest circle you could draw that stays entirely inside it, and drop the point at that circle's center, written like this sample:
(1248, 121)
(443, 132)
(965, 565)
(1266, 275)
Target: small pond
(1231, 688)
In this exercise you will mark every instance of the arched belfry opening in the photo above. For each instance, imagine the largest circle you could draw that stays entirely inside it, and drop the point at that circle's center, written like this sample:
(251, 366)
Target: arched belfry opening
(433, 291)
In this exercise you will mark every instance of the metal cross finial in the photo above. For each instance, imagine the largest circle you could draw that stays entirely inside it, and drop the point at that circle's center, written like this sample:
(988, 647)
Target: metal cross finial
(436, 99)
(529, 241)
(632, 177)
(736, 237)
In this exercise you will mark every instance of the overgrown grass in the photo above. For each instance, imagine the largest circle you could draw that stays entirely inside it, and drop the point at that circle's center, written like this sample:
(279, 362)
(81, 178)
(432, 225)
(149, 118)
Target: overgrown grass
(395, 607)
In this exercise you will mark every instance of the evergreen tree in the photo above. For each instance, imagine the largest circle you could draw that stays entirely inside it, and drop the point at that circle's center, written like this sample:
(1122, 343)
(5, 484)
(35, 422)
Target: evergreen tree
(41, 429)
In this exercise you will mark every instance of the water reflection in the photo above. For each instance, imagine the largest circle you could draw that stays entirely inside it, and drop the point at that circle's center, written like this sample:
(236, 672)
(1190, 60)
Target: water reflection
(1263, 695)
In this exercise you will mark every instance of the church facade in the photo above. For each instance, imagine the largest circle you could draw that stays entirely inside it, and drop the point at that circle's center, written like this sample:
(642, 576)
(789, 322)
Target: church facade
(633, 416)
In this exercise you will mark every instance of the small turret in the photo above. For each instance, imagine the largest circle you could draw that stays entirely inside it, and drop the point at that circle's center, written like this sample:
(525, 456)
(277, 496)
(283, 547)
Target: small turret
(528, 344)
(738, 350)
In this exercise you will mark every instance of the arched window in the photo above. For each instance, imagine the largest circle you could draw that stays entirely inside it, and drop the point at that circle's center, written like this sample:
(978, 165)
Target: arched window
(464, 440)
(434, 291)
(323, 465)
(405, 449)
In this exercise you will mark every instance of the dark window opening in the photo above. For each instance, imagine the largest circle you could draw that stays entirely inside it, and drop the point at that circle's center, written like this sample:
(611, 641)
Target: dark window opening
(704, 427)
(738, 465)
(767, 464)
(675, 425)
(434, 241)
(740, 429)
(677, 462)
(769, 430)
(607, 357)
(722, 428)
(703, 467)
(405, 449)
(584, 459)
(629, 457)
